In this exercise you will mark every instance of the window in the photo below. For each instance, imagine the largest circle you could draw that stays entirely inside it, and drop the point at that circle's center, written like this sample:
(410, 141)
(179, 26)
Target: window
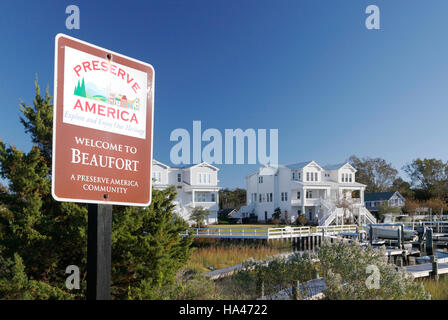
(203, 178)
(212, 196)
(261, 199)
(307, 176)
(179, 177)
(309, 195)
(254, 197)
(296, 176)
(156, 176)
(298, 195)
(260, 179)
(315, 176)
(300, 176)
(270, 197)
(200, 197)
(284, 196)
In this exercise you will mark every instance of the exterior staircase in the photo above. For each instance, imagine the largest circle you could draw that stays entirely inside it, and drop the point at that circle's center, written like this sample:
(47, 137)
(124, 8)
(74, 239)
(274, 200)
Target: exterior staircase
(332, 213)
(364, 215)
(181, 210)
(369, 218)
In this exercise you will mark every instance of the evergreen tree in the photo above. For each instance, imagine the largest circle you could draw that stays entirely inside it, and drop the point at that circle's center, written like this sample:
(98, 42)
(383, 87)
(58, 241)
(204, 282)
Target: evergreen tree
(45, 236)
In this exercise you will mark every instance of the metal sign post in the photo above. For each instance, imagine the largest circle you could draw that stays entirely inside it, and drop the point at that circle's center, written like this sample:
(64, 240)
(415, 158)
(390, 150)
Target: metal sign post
(99, 250)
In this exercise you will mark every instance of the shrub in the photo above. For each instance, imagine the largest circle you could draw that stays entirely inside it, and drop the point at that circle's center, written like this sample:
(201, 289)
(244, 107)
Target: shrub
(301, 220)
(275, 275)
(344, 269)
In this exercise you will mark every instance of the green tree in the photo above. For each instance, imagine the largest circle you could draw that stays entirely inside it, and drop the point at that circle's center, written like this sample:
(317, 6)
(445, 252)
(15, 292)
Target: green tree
(147, 248)
(430, 175)
(15, 284)
(376, 173)
(277, 213)
(232, 199)
(386, 208)
(48, 235)
(198, 215)
(403, 187)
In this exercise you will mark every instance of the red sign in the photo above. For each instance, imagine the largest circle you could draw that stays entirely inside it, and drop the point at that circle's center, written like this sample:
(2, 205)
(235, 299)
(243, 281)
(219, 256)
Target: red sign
(102, 125)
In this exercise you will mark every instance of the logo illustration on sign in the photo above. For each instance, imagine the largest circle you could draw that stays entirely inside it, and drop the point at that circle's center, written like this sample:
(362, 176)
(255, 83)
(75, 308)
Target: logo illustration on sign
(102, 125)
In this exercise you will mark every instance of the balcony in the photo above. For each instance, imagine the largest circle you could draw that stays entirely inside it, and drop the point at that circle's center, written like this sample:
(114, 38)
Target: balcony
(206, 205)
(312, 202)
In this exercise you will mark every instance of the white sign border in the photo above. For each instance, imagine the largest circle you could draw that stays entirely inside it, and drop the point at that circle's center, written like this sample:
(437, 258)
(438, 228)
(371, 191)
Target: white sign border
(55, 101)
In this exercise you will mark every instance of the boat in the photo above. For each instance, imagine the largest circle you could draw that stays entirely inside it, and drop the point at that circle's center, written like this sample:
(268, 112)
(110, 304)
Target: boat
(392, 233)
(442, 257)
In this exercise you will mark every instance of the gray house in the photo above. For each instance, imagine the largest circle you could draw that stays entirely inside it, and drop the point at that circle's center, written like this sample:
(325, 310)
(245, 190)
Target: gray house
(374, 200)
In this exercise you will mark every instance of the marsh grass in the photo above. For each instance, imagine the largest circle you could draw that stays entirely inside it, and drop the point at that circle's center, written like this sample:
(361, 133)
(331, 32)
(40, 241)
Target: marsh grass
(222, 256)
(437, 289)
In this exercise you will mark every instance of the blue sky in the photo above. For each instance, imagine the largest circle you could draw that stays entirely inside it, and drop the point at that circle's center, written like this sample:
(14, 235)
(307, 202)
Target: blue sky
(308, 68)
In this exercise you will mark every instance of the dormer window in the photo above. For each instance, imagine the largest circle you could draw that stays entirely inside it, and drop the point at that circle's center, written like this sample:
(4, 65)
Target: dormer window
(179, 177)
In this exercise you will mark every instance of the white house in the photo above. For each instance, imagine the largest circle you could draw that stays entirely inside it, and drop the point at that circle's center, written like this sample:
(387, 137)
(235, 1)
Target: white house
(196, 185)
(324, 195)
(373, 201)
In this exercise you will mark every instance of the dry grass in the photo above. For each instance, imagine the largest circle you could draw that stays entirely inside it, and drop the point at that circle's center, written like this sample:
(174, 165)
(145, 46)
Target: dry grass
(438, 289)
(225, 256)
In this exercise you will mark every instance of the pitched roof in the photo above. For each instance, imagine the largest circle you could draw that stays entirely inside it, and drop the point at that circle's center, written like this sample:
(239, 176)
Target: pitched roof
(187, 166)
(378, 196)
(184, 166)
(267, 171)
(226, 211)
(299, 165)
(334, 166)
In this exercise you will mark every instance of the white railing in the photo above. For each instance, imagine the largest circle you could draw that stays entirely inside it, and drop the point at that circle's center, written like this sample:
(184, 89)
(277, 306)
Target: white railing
(268, 233)
(328, 219)
(255, 233)
(337, 229)
(331, 212)
(369, 216)
(288, 232)
(433, 224)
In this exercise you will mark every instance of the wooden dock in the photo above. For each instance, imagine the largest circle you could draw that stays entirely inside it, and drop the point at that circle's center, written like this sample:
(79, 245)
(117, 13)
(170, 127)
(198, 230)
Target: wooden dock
(426, 270)
(269, 233)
